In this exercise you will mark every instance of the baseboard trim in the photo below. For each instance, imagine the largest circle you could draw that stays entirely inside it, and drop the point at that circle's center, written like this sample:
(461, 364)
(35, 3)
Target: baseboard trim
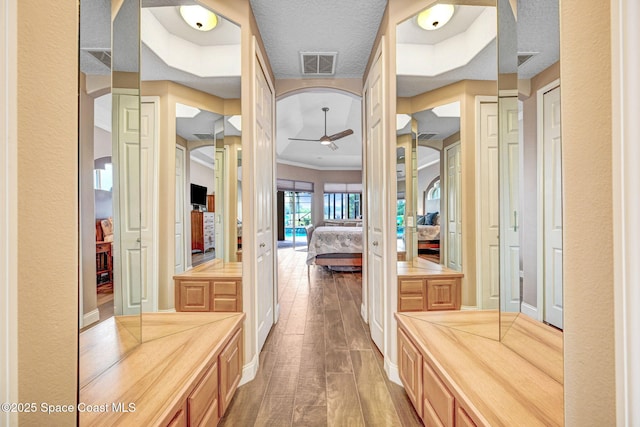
(277, 317)
(168, 310)
(250, 370)
(392, 371)
(90, 318)
(529, 310)
(468, 308)
(363, 313)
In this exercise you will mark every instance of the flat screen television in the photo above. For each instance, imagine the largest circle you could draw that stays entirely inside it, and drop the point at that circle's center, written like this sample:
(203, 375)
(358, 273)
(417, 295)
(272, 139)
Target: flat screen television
(198, 195)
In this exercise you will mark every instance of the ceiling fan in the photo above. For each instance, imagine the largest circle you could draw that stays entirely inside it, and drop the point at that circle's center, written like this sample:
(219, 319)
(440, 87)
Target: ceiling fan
(327, 139)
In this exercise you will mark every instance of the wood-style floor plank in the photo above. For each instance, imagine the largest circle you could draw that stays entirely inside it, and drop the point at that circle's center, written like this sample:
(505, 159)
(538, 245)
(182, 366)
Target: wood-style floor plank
(343, 405)
(319, 366)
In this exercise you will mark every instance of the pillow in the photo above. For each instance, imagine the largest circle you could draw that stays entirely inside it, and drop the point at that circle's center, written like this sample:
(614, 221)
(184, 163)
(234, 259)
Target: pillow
(421, 220)
(107, 229)
(436, 221)
(431, 217)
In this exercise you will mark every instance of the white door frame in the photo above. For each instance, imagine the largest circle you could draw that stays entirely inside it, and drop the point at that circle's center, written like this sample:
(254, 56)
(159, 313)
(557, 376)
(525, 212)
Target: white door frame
(155, 100)
(540, 198)
(8, 209)
(445, 209)
(626, 206)
(186, 253)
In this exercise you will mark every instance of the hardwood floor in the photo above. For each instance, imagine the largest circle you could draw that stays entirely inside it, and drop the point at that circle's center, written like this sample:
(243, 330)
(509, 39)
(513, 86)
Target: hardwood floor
(319, 366)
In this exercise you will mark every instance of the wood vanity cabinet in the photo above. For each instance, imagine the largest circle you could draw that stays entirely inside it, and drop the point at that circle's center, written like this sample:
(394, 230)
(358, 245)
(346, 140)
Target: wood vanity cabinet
(211, 286)
(429, 292)
(453, 380)
(184, 376)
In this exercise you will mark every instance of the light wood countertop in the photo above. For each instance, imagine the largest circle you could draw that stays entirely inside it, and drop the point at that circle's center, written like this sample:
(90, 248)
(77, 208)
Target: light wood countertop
(214, 268)
(157, 375)
(500, 387)
(428, 269)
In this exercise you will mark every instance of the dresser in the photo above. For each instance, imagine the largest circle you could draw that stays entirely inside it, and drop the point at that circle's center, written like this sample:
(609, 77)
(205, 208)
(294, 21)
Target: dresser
(203, 231)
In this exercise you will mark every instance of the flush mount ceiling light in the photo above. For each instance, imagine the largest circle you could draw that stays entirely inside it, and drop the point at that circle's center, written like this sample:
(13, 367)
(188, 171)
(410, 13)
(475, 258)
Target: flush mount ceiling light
(447, 110)
(186, 111)
(402, 120)
(198, 17)
(435, 17)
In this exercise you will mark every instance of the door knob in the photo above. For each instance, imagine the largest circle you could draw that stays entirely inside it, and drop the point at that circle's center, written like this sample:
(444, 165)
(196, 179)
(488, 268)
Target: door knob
(262, 245)
(375, 243)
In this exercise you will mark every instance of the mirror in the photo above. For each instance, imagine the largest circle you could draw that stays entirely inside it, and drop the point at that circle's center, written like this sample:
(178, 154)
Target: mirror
(451, 100)
(137, 82)
(111, 197)
(531, 186)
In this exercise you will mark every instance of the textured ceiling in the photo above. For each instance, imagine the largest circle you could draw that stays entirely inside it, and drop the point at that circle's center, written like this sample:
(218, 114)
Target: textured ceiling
(289, 27)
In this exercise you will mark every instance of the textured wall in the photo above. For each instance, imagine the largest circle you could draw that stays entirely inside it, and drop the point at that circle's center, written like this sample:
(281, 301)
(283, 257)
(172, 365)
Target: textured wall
(48, 206)
(588, 257)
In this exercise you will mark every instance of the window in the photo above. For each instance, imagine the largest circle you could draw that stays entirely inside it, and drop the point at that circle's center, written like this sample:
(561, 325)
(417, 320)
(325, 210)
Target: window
(342, 201)
(433, 192)
(103, 178)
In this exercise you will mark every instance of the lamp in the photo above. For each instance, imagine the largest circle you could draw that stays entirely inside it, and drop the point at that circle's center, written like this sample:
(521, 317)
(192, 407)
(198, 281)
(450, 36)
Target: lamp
(435, 17)
(198, 17)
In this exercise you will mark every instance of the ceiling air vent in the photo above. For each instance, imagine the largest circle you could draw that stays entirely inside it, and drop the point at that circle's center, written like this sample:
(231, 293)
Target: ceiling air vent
(103, 56)
(524, 57)
(318, 63)
(426, 135)
(204, 136)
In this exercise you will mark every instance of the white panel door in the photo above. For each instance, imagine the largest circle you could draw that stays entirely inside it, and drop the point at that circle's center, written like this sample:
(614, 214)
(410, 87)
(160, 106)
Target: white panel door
(180, 244)
(552, 209)
(509, 205)
(148, 197)
(127, 273)
(489, 262)
(374, 116)
(454, 214)
(264, 168)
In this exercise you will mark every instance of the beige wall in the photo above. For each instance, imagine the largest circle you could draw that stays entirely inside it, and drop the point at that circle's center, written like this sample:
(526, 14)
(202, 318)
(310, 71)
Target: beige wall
(318, 177)
(201, 175)
(529, 213)
(48, 206)
(585, 49)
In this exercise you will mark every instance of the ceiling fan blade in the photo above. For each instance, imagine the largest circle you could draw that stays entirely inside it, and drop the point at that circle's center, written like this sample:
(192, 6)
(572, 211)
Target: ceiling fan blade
(302, 139)
(340, 134)
(333, 146)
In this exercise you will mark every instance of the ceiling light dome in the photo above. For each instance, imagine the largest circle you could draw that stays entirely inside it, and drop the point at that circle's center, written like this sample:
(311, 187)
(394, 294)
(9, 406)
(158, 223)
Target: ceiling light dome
(198, 17)
(435, 17)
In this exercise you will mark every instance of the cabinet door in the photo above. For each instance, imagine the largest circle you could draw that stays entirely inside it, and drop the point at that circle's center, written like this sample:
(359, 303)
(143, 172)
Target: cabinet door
(230, 362)
(437, 398)
(179, 419)
(443, 294)
(410, 365)
(193, 296)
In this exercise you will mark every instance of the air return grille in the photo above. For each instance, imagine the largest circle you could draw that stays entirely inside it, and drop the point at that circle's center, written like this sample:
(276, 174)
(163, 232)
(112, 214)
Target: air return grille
(103, 56)
(318, 63)
(524, 57)
(426, 135)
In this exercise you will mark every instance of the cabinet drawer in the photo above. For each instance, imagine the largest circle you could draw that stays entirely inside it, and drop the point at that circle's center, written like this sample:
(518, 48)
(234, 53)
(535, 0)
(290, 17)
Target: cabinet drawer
(411, 286)
(203, 396)
(225, 287)
(194, 296)
(410, 366)
(230, 360)
(411, 303)
(437, 395)
(443, 294)
(179, 419)
(462, 418)
(225, 304)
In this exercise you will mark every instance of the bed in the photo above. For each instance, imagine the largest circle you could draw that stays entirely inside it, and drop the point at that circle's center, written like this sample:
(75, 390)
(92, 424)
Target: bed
(335, 246)
(429, 237)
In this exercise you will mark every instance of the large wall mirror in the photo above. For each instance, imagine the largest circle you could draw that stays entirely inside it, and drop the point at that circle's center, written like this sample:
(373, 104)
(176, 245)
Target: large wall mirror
(160, 130)
(445, 79)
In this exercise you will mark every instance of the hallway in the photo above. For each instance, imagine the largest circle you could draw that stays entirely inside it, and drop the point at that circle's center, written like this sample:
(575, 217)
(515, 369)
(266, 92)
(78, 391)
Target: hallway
(319, 366)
